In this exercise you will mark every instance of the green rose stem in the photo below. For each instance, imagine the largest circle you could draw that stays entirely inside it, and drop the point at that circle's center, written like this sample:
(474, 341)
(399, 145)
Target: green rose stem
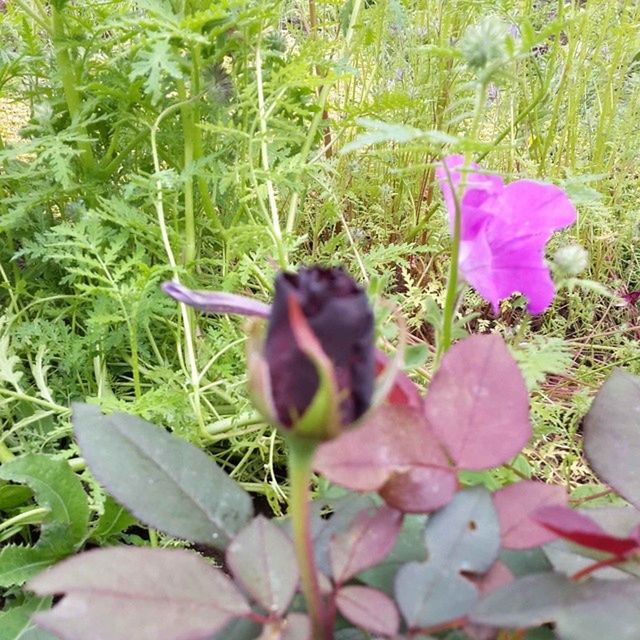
(301, 452)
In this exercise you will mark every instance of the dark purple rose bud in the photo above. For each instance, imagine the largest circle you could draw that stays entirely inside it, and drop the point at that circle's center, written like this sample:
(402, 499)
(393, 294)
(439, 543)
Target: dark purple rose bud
(330, 307)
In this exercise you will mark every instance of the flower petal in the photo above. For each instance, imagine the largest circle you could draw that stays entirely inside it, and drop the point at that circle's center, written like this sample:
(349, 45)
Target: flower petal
(217, 301)
(537, 208)
(479, 201)
(504, 230)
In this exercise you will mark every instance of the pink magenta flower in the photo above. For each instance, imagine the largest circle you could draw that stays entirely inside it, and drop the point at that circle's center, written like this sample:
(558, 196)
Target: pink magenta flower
(504, 230)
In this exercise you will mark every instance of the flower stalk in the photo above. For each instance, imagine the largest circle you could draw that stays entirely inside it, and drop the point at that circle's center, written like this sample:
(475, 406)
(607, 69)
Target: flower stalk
(301, 452)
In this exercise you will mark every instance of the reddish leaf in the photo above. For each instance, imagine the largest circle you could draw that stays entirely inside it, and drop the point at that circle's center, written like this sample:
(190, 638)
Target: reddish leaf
(150, 594)
(403, 392)
(516, 505)
(366, 542)
(477, 403)
(498, 576)
(582, 530)
(369, 609)
(392, 442)
(262, 558)
(414, 490)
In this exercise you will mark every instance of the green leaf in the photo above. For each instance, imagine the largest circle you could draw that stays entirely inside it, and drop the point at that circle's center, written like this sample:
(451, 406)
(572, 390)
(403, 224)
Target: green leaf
(12, 496)
(15, 624)
(262, 558)
(379, 131)
(415, 355)
(56, 488)
(612, 434)
(165, 482)
(113, 521)
(153, 64)
(464, 536)
(8, 364)
(18, 564)
(541, 356)
(150, 594)
(589, 610)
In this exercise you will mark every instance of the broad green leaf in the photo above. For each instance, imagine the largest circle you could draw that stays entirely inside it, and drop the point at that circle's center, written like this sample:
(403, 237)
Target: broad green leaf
(588, 610)
(150, 594)
(477, 403)
(262, 558)
(165, 482)
(466, 533)
(56, 487)
(428, 596)
(16, 624)
(18, 564)
(113, 520)
(566, 559)
(463, 536)
(12, 496)
(612, 434)
(525, 561)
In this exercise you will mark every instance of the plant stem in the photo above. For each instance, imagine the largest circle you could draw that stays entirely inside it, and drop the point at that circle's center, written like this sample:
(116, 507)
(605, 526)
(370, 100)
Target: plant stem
(26, 517)
(69, 84)
(601, 564)
(264, 155)
(6, 454)
(452, 282)
(188, 125)
(300, 459)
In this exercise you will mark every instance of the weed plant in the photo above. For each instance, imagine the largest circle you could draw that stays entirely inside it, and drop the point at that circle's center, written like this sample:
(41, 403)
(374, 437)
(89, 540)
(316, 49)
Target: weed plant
(218, 142)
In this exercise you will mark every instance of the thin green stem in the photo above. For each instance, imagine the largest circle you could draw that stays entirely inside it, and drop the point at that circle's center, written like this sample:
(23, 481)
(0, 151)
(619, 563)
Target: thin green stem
(26, 517)
(264, 154)
(452, 282)
(189, 338)
(42, 403)
(188, 127)
(300, 459)
(39, 19)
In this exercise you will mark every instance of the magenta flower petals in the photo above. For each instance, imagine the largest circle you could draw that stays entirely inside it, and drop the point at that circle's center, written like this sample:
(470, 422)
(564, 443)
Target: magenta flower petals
(537, 208)
(217, 301)
(504, 230)
(479, 198)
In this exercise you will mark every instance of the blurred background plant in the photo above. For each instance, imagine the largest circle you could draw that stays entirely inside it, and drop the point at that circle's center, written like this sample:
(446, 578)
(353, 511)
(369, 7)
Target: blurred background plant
(217, 142)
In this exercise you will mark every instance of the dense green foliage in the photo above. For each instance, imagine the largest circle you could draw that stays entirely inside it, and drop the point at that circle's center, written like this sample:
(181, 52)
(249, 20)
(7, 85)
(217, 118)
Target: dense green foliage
(221, 141)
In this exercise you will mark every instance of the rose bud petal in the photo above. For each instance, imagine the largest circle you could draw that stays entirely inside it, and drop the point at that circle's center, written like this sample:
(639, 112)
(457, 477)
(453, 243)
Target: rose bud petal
(337, 314)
